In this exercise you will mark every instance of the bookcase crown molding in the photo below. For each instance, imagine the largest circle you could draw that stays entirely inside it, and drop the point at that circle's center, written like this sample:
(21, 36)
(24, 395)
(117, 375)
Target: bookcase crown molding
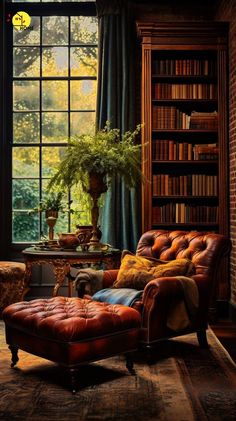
(211, 34)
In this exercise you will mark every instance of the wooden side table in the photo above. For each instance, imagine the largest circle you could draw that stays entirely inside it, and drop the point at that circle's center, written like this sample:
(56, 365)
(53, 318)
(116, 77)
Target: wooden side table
(62, 260)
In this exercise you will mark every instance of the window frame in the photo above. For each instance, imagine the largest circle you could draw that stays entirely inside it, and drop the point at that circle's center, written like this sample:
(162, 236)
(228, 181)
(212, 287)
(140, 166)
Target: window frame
(8, 249)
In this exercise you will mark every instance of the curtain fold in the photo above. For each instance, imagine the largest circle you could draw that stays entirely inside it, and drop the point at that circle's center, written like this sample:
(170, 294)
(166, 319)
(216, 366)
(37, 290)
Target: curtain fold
(116, 103)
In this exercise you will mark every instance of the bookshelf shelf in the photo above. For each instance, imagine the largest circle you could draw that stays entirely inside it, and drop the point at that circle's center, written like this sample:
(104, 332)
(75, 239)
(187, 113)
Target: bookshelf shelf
(186, 162)
(184, 78)
(189, 101)
(186, 131)
(184, 197)
(187, 225)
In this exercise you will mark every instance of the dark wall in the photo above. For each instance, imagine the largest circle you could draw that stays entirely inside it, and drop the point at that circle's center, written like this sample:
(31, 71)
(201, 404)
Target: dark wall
(168, 10)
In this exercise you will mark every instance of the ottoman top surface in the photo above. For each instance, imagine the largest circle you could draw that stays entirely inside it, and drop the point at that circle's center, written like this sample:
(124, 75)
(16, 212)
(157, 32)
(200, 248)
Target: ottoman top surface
(70, 319)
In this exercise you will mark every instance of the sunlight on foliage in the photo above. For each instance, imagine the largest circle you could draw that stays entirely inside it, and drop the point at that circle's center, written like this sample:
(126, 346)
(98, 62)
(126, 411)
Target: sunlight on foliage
(37, 131)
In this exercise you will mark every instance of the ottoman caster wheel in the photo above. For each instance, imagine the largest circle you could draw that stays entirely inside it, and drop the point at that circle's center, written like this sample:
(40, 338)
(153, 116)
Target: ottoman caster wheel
(130, 365)
(73, 380)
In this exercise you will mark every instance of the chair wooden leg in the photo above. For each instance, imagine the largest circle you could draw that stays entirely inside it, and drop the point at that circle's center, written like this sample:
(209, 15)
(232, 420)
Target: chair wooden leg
(14, 354)
(202, 338)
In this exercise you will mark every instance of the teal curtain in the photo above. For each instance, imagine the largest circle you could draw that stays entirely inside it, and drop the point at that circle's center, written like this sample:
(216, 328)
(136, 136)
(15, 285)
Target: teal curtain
(116, 102)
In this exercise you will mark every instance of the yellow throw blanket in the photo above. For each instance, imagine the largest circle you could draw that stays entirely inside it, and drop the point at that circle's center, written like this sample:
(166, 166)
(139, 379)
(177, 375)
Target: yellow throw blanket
(181, 313)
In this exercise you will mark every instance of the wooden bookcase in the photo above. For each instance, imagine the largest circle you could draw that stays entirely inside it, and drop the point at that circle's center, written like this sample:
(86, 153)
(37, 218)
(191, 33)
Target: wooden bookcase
(184, 111)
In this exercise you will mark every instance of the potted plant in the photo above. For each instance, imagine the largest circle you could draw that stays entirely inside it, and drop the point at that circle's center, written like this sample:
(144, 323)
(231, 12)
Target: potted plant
(93, 160)
(51, 205)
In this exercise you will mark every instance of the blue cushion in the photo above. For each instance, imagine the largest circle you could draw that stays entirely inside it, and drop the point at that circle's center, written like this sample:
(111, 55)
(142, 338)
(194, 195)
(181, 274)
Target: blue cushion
(125, 296)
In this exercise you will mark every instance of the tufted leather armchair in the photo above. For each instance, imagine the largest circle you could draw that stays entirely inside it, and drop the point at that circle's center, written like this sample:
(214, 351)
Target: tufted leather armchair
(205, 250)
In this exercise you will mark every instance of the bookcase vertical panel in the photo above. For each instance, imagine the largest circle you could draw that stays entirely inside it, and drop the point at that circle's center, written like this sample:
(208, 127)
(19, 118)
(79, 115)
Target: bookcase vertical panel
(146, 136)
(185, 133)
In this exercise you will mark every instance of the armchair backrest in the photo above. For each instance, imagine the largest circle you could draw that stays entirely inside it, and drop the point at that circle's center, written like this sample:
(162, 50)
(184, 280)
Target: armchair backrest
(205, 250)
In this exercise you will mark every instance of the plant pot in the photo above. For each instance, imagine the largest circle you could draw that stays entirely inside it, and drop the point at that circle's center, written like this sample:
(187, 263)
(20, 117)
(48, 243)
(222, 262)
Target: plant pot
(51, 219)
(51, 213)
(97, 184)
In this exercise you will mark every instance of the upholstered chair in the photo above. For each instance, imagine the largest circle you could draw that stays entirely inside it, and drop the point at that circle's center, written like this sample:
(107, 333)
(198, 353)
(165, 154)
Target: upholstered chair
(156, 301)
(12, 283)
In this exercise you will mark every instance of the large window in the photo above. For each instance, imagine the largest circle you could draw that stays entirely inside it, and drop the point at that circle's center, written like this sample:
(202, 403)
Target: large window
(53, 76)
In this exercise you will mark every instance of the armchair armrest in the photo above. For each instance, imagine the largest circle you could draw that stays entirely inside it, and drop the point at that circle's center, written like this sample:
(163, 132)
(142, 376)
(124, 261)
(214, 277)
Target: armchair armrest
(158, 298)
(109, 277)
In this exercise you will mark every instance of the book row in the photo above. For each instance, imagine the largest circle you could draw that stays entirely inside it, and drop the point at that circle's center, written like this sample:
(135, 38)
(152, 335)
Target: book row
(182, 213)
(185, 185)
(201, 119)
(165, 149)
(170, 117)
(192, 67)
(184, 91)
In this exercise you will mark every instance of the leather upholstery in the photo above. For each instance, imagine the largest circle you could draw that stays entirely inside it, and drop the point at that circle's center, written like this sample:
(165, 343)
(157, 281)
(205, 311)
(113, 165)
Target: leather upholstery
(74, 319)
(71, 331)
(205, 250)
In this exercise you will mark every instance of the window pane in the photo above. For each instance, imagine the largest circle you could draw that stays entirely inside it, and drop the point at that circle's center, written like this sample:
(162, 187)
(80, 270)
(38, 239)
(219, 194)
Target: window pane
(55, 61)
(26, 62)
(83, 61)
(25, 194)
(55, 30)
(28, 36)
(25, 95)
(54, 127)
(51, 156)
(25, 162)
(84, 30)
(25, 127)
(54, 95)
(25, 227)
(82, 123)
(83, 94)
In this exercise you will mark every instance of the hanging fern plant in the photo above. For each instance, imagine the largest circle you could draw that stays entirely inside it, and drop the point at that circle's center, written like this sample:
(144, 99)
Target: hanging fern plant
(107, 152)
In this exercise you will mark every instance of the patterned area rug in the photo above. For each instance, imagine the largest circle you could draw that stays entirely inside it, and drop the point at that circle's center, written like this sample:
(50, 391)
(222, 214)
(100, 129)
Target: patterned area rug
(185, 383)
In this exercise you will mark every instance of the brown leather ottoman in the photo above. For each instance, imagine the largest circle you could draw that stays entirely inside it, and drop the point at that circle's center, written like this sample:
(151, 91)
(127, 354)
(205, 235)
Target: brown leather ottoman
(71, 331)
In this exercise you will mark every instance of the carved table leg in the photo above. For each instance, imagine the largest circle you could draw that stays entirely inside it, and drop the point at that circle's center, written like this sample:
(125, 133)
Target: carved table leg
(60, 269)
(14, 354)
(27, 279)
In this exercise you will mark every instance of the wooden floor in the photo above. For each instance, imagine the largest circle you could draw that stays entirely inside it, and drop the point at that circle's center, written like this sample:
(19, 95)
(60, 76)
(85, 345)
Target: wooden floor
(225, 331)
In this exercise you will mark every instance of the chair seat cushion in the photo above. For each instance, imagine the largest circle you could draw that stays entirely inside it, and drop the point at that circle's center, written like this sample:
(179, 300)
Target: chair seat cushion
(11, 270)
(125, 296)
